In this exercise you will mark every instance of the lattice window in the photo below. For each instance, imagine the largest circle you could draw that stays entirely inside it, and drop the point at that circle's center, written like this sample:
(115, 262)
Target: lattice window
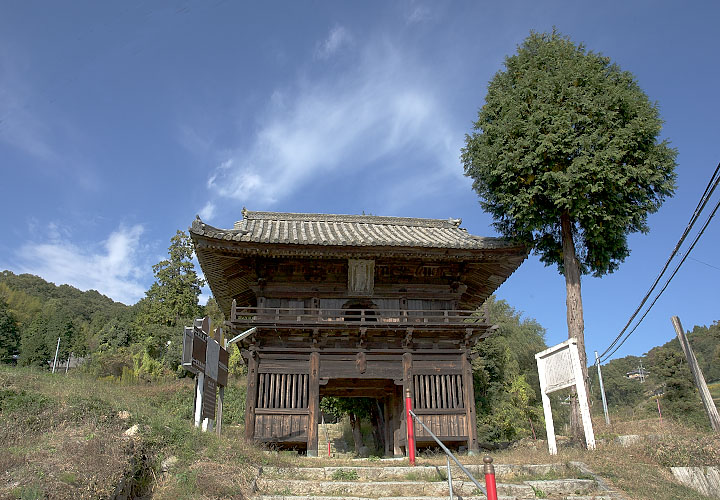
(283, 390)
(439, 392)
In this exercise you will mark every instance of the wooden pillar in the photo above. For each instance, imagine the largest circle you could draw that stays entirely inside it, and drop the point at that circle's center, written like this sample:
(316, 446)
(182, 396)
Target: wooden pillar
(313, 405)
(387, 410)
(469, 394)
(407, 386)
(251, 398)
(397, 422)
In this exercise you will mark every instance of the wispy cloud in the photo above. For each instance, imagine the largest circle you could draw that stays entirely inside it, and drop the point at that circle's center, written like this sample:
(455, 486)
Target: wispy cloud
(338, 37)
(418, 14)
(208, 211)
(112, 268)
(19, 127)
(383, 103)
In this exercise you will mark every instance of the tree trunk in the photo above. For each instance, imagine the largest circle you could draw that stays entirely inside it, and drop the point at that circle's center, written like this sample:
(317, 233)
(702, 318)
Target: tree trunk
(357, 436)
(575, 322)
(377, 424)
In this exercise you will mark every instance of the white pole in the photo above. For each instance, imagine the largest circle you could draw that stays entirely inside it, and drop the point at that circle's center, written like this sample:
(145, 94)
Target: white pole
(580, 387)
(602, 389)
(68, 364)
(199, 398)
(57, 348)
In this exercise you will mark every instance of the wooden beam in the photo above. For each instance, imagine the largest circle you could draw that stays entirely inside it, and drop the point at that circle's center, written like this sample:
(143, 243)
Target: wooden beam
(407, 386)
(469, 394)
(313, 405)
(251, 398)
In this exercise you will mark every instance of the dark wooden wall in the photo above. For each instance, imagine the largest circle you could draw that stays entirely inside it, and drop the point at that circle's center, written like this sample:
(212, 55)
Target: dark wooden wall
(284, 391)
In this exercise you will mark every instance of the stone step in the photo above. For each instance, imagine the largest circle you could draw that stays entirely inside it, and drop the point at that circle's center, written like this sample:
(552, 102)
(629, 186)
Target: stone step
(588, 497)
(563, 486)
(445, 497)
(287, 487)
(503, 472)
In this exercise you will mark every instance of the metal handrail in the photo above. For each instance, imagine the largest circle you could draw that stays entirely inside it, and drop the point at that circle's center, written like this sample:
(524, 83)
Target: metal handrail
(449, 456)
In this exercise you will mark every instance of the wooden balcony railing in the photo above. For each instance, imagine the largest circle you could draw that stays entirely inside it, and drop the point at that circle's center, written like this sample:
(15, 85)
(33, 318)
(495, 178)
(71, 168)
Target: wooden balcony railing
(286, 317)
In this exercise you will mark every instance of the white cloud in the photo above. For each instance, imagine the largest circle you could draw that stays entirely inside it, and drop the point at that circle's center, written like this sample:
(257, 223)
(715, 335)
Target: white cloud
(208, 211)
(419, 14)
(112, 269)
(382, 105)
(338, 37)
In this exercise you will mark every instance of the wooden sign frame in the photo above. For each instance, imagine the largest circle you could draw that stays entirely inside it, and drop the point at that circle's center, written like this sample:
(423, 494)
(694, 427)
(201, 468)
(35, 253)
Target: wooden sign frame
(559, 368)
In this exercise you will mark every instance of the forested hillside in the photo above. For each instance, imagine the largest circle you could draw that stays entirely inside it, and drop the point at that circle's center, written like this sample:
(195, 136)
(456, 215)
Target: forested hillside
(120, 341)
(668, 378)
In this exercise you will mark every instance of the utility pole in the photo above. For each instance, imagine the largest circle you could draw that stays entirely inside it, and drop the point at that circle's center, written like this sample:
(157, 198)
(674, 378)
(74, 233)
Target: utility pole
(641, 370)
(602, 389)
(57, 348)
(707, 399)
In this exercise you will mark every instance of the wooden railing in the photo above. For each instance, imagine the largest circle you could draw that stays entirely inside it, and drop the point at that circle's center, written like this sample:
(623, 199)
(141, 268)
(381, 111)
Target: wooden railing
(372, 318)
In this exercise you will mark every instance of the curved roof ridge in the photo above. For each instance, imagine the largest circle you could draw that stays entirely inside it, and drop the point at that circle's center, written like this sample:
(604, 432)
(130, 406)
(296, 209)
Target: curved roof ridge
(363, 219)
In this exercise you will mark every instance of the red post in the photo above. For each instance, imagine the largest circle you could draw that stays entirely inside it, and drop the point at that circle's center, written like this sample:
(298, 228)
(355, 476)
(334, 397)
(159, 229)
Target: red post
(490, 485)
(410, 428)
(329, 454)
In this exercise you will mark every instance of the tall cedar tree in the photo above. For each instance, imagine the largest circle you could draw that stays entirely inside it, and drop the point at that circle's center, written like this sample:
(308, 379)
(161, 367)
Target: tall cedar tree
(565, 156)
(174, 295)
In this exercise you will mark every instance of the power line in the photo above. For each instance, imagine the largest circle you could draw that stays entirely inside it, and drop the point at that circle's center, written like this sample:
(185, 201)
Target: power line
(701, 262)
(707, 194)
(697, 238)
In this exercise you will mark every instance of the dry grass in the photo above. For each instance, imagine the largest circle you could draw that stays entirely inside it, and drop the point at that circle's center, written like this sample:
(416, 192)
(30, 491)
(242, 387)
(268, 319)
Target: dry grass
(63, 438)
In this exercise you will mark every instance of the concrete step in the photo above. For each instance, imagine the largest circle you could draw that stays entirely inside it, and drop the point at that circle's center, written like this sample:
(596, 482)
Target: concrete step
(365, 489)
(503, 472)
(309, 497)
(564, 486)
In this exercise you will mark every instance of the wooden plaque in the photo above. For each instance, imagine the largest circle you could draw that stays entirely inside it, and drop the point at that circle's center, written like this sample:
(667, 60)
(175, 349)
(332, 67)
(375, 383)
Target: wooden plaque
(209, 398)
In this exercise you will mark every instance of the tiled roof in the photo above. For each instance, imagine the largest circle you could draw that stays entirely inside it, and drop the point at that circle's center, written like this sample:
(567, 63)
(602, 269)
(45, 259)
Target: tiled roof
(348, 230)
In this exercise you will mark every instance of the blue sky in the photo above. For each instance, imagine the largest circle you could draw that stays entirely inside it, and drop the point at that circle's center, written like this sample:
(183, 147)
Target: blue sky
(119, 121)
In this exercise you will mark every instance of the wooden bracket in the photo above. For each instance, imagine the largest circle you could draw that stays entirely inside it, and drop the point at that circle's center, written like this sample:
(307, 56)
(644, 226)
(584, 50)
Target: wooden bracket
(315, 339)
(407, 341)
(362, 339)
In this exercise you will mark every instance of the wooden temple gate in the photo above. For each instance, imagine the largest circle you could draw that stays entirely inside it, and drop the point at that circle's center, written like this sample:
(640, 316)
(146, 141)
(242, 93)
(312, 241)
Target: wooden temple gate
(355, 306)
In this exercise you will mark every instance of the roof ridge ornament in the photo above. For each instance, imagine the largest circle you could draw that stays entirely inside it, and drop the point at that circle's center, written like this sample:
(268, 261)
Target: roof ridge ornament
(249, 215)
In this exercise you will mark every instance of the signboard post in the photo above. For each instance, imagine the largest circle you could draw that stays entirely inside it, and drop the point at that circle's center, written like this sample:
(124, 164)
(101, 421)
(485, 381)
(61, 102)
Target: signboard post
(559, 368)
(204, 356)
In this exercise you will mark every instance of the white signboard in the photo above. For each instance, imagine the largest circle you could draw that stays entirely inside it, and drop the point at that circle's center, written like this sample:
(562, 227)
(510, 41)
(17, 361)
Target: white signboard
(212, 358)
(559, 368)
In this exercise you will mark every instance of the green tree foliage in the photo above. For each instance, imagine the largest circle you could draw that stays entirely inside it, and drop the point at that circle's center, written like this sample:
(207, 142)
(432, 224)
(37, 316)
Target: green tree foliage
(213, 311)
(680, 399)
(566, 132)
(565, 156)
(505, 375)
(705, 342)
(357, 410)
(34, 348)
(669, 375)
(174, 295)
(23, 306)
(9, 333)
(620, 391)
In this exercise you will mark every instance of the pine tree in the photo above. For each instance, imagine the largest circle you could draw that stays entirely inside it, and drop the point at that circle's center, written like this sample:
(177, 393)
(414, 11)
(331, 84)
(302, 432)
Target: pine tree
(174, 295)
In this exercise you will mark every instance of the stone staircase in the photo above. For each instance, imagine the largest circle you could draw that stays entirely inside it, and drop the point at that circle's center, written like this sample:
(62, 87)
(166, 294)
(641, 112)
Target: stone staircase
(428, 482)
(338, 446)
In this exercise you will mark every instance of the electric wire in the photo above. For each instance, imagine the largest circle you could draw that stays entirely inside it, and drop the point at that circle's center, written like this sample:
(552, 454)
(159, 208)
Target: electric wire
(707, 194)
(677, 268)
